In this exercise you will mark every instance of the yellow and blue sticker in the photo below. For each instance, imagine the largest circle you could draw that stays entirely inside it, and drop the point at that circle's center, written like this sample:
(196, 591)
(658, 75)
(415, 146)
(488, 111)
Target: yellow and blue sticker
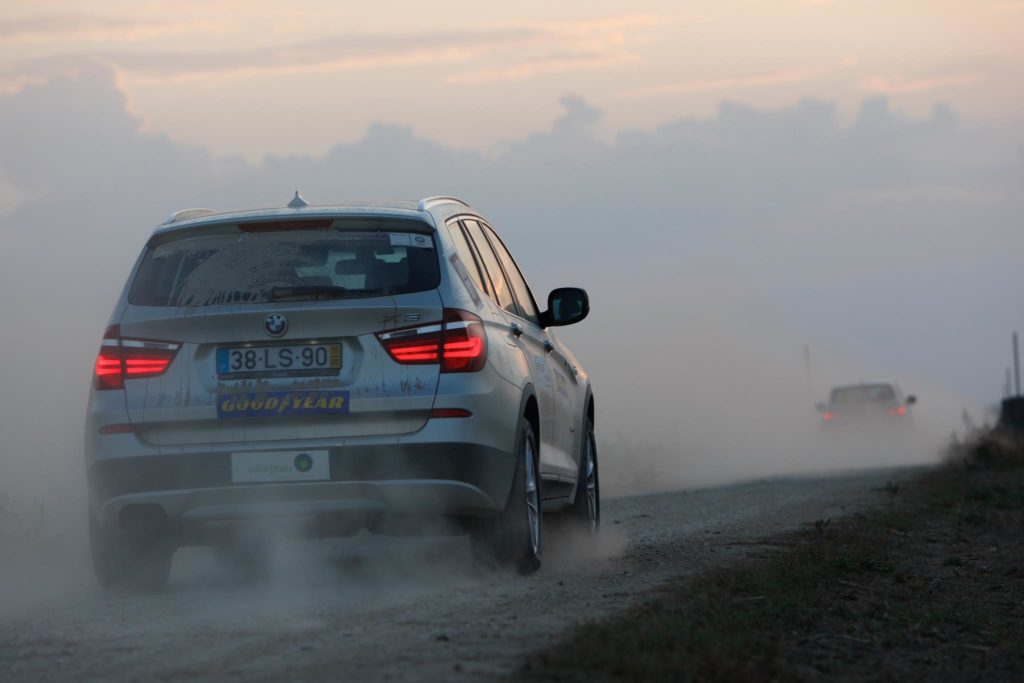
(276, 403)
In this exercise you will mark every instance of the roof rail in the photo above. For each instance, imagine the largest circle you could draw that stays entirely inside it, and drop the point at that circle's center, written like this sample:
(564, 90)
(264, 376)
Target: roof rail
(427, 202)
(187, 214)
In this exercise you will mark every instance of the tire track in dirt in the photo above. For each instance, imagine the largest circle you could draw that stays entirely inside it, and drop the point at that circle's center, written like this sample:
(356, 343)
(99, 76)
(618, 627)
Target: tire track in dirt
(374, 608)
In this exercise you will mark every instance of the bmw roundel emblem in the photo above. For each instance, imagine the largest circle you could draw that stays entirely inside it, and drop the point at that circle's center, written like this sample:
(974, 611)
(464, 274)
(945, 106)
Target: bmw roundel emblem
(275, 324)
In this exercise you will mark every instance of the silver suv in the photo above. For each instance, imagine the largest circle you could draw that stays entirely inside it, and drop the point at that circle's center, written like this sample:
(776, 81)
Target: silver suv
(346, 367)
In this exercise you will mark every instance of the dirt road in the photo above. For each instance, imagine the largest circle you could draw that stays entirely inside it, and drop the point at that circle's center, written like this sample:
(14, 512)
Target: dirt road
(372, 608)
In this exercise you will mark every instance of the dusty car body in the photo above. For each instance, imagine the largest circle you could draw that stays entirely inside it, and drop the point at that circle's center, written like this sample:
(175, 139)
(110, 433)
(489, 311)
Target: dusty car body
(350, 366)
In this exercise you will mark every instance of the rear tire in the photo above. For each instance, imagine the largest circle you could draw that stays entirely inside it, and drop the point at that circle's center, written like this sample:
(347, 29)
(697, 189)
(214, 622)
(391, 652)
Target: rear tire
(514, 537)
(585, 511)
(125, 563)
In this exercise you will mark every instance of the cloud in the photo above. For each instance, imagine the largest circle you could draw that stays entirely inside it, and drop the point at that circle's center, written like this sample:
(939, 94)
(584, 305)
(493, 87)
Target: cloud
(53, 132)
(573, 45)
(899, 86)
(342, 52)
(782, 77)
(514, 52)
(80, 26)
(732, 83)
(543, 64)
(578, 115)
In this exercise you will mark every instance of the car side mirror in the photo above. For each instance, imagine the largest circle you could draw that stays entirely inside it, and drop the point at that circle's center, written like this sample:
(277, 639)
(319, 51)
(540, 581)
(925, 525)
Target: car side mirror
(911, 400)
(820, 407)
(566, 305)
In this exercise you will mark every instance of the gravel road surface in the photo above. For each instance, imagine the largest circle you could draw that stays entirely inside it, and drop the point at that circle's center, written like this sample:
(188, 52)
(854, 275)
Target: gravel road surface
(376, 608)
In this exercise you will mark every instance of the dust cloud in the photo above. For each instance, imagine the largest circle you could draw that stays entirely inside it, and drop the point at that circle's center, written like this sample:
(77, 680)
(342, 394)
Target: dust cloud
(714, 251)
(720, 391)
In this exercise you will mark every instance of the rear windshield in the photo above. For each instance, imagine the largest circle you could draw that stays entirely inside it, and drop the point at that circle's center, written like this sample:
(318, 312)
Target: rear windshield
(864, 393)
(260, 265)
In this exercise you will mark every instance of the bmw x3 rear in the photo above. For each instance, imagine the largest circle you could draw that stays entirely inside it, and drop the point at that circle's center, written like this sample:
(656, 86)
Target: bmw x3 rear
(339, 367)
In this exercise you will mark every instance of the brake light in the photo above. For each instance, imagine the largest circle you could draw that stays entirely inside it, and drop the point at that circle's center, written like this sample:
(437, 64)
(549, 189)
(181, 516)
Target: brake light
(901, 410)
(120, 359)
(421, 348)
(827, 416)
(458, 343)
(464, 343)
(284, 226)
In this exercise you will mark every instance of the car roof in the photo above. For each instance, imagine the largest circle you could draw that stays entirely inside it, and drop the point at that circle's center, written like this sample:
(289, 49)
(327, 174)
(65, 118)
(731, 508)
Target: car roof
(883, 383)
(298, 208)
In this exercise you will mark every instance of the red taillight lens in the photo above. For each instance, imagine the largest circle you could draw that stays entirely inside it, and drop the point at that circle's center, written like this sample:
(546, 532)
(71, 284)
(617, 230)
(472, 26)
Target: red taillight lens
(120, 359)
(901, 410)
(827, 416)
(108, 369)
(465, 344)
(458, 343)
(417, 349)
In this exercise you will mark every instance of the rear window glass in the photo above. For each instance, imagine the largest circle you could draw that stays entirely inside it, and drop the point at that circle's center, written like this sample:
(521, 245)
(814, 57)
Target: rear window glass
(261, 266)
(865, 393)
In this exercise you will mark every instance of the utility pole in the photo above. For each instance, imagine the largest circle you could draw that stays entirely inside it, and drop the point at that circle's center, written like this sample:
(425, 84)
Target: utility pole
(807, 367)
(1016, 366)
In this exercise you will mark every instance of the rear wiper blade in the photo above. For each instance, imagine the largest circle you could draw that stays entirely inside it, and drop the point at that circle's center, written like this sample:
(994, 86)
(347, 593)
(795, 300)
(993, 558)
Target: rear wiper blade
(314, 292)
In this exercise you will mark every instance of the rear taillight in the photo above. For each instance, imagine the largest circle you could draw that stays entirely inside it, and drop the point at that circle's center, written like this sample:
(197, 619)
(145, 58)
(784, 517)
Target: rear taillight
(458, 343)
(464, 342)
(900, 410)
(827, 416)
(120, 359)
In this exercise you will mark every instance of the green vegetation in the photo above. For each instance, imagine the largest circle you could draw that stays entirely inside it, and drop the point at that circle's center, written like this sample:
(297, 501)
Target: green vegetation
(926, 587)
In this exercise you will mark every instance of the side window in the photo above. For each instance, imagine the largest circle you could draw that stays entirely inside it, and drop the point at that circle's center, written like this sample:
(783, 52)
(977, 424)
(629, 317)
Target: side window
(515, 277)
(466, 255)
(501, 292)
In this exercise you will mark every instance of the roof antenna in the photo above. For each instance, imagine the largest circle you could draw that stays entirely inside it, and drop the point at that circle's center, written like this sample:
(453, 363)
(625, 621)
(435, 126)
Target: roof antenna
(297, 201)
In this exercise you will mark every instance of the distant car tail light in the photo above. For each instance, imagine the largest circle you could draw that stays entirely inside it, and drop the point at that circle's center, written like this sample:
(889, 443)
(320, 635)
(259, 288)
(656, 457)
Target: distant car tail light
(458, 343)
(827, 416)
(120, 359)
(901, 410)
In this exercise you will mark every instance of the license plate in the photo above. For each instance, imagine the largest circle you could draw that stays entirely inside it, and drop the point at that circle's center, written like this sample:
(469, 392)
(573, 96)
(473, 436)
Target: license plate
(280, 466)
(300, 359)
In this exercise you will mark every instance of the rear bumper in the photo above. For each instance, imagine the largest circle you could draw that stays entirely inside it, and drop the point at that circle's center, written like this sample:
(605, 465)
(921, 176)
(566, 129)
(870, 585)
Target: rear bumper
(441, 479)
(879, 424)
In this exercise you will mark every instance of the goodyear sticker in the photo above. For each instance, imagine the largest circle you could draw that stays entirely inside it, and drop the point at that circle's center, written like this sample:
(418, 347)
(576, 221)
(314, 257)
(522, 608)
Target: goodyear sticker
(274, 403)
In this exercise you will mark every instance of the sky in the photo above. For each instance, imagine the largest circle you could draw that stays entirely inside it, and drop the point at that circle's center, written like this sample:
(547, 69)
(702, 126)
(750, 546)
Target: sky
(256, 78)
(732, 183)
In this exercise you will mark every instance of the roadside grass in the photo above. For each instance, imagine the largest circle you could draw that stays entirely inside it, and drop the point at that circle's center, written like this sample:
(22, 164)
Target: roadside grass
(928, 586)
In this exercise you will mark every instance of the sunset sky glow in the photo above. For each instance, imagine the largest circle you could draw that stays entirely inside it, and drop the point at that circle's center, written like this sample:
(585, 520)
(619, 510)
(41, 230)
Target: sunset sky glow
(471, 75)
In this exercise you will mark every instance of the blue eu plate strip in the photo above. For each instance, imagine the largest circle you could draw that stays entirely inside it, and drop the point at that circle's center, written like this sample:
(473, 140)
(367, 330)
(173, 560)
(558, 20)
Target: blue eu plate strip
(222, 362)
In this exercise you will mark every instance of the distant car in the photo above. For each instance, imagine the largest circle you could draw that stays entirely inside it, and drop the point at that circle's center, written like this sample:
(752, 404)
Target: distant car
(877, 403)
(351, 367)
